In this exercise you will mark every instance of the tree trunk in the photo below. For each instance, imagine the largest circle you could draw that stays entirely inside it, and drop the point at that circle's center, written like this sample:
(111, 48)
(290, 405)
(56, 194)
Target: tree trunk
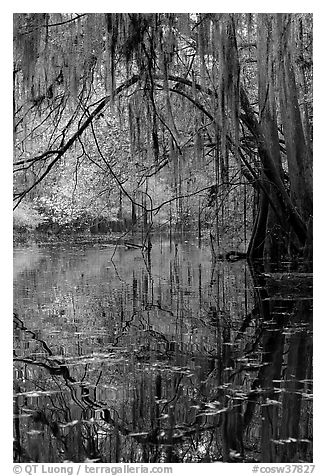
(298, 154)
(257, 241)
(275, 243)
(284, 204)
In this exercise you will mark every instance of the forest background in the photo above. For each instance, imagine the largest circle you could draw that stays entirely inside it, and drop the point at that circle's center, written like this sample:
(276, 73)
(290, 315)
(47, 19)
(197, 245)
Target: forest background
(156, 122)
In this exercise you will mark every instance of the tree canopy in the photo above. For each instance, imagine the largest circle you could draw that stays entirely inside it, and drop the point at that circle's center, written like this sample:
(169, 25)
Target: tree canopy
(170, 113)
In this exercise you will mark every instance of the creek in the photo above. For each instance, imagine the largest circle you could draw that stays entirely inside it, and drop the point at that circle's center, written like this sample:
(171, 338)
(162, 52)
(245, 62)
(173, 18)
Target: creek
(167, 359)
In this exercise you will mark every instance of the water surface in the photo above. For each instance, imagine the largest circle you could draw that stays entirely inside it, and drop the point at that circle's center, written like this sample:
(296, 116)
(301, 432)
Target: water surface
(167, 359)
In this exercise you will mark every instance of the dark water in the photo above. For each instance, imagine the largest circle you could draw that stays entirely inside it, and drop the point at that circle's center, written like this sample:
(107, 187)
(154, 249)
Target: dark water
(167, 360)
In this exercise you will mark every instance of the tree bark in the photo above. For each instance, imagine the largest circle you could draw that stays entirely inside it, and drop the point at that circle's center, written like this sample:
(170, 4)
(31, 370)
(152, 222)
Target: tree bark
(284, 202)
(298, 154)
(274, 243)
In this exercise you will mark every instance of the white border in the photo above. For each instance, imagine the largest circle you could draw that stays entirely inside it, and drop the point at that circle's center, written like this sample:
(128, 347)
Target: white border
(319, 197)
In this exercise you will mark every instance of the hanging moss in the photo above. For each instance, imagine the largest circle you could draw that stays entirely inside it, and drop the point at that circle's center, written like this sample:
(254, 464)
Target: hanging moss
(28, 32)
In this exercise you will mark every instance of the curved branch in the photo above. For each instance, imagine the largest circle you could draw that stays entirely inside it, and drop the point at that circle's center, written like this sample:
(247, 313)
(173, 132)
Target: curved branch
(129, 82)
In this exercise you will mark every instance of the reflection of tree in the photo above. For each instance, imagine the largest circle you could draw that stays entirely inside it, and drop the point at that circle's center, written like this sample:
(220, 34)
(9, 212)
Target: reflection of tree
(298, 370)
(156, 377)
(280, 409)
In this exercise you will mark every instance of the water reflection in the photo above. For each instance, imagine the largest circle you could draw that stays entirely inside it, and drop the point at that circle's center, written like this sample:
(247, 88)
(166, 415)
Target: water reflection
(168, 360)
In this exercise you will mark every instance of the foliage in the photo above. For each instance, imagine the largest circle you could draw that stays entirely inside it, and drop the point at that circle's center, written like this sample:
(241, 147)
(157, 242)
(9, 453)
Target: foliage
(115, 103)
(27, 216)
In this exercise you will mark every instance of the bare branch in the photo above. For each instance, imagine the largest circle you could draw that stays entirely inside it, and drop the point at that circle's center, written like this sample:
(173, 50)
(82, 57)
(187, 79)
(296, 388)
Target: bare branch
(129, 82)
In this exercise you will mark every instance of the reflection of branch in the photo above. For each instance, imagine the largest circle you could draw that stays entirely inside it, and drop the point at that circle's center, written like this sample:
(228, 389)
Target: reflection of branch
(40, 417)
(155, 436)
(246, 322)
(62, 370)
(176, 393)
(19, 324)
(159, 306)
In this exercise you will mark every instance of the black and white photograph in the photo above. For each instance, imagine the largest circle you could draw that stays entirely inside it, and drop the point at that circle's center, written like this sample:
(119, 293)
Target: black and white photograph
(162, 240)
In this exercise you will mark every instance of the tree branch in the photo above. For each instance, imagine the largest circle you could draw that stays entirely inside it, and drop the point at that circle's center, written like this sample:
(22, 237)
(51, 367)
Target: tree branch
(129, 82)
